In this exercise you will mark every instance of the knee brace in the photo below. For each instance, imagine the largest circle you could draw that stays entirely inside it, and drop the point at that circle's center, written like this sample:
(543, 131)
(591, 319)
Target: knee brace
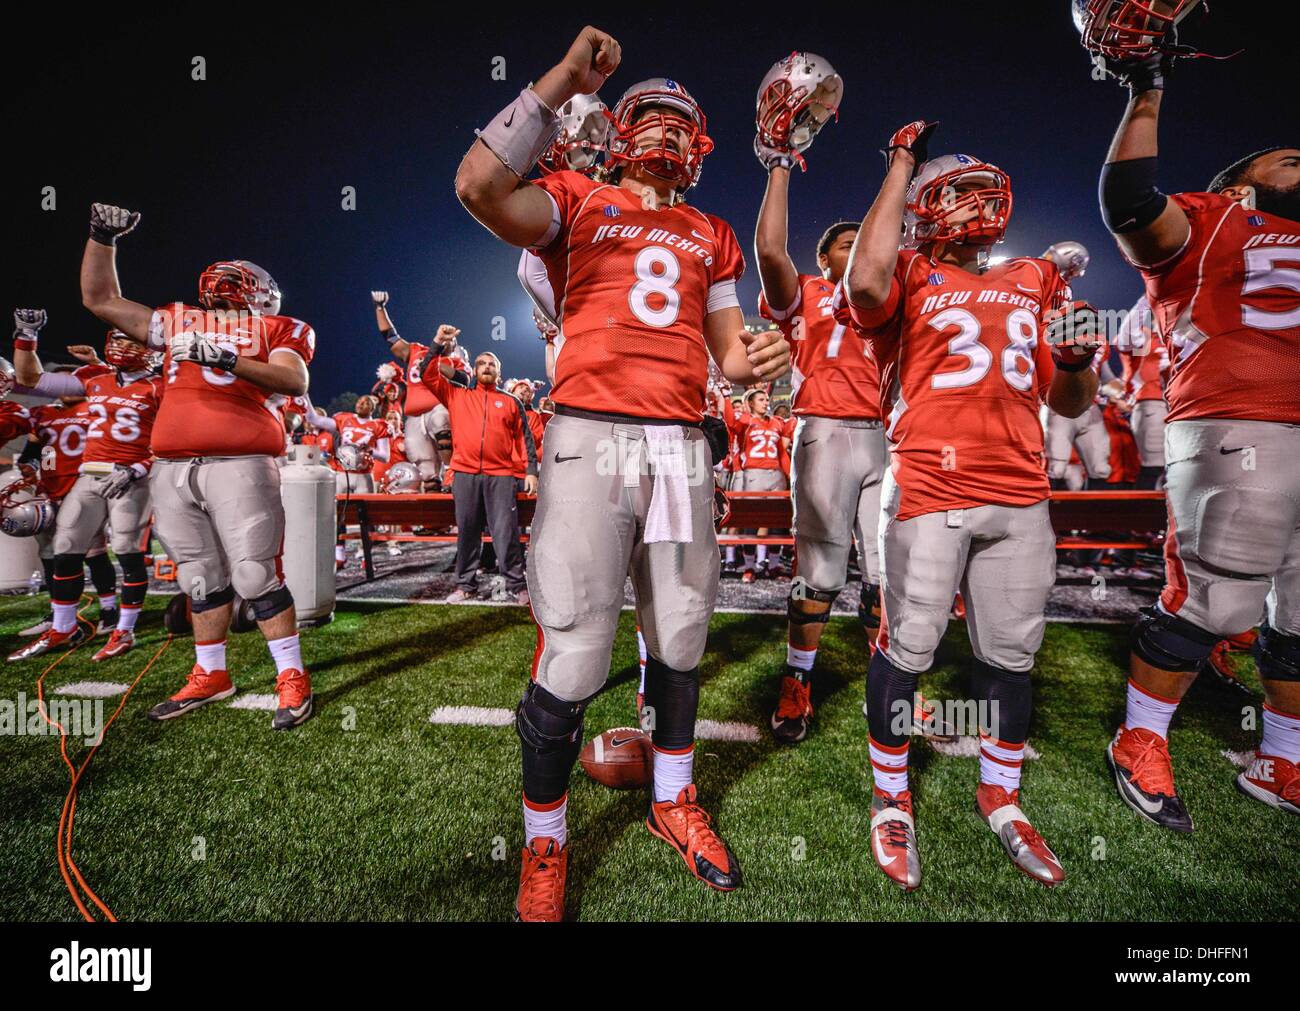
(869, 605)
(268, 605)
(211, 601)
(135, 579)
(672, 697)
(800, 590)
(1277, 655)
(69, 579)
(1170, 643)
(1010, 698)
(550, 736)
(891, 693)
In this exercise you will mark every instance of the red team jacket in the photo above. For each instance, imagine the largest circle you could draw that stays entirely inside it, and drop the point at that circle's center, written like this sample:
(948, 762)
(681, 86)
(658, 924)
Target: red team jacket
(487, 424)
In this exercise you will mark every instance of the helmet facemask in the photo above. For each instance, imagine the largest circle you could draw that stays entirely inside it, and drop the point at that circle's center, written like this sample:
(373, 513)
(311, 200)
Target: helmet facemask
(974, 215)
(585, 126)
(1130, 29)
(796, 103)
(240, 285)
(123, 353)
(663, 133)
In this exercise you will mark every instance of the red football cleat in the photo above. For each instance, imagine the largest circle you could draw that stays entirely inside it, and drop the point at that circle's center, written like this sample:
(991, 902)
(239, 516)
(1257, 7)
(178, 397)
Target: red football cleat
(794, 708)
(296, 699)
(119, 641)
(1000, 810)
(893, 838)
(685, 826)
(51, 639)
(1273, 780)
(1144, 775)
(540, 898)
(201, 687)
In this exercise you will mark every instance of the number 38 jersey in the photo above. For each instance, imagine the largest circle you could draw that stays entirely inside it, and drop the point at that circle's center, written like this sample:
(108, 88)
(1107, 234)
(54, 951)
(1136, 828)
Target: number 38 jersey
(962, 374)
(633, 286)
(1228, 304)
(207, 412)
(119, 417)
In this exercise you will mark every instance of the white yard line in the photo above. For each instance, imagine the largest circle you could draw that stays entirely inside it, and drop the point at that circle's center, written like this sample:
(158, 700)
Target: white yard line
(254, 701)
(92, 689)
(480, 716)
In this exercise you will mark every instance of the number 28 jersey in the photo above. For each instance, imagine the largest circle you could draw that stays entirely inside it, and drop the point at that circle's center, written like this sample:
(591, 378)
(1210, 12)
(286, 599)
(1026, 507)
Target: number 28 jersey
(1228, 303)
(633, 285)
(962, 373)
(207, 412)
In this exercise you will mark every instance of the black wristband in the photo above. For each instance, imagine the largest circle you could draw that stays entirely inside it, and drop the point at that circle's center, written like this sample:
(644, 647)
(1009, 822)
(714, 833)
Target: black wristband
(391, 335)
(103, 236)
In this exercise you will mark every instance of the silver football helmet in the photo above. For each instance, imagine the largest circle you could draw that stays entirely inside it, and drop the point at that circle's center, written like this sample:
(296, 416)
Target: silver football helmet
(1071, 259)
(797, 97)
(637, 137)
(8, 378)
(402, 478)
(353, 458)
(933, 202)
(240, 282)
(583, 136)
(25, 510)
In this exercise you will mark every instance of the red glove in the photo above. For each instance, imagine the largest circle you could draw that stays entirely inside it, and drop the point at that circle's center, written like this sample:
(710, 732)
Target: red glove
(915, 138)
(1075, 333)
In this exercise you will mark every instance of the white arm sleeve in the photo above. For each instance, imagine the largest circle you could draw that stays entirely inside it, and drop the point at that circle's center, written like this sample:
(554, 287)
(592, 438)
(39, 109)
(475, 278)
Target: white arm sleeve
(321, 421)
(722, 295)
(380, 451)
(59, 384)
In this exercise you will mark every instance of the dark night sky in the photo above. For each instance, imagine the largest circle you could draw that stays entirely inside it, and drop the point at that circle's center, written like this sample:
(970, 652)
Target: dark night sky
(250, 163)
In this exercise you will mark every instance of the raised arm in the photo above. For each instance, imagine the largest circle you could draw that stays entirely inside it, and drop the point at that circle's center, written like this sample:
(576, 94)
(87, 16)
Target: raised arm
(400, 348)
(100, 291)
(776, 270)
(490, 180)
(875, 251)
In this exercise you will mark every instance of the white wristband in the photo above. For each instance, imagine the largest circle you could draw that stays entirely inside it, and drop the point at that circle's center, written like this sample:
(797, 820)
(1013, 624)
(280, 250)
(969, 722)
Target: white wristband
(520, 132)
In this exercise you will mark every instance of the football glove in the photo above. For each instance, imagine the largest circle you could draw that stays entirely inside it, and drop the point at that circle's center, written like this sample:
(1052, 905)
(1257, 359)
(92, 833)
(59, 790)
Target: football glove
(109, 223)
(380, 298)
(118, 483)
(915, 137)
(1075, 334)
(189, 347)
(773, 157)
(27, 327)
(1146, 74)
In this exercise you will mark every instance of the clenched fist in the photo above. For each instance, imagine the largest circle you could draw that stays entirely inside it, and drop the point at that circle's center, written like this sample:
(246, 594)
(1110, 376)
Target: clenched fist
(109, 223)
(593, 56)
(27, 327)
(915, 140)
(380, 298)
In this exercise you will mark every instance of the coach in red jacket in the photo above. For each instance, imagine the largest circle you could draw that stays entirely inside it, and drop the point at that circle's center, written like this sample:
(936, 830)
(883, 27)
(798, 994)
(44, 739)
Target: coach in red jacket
(486, 424)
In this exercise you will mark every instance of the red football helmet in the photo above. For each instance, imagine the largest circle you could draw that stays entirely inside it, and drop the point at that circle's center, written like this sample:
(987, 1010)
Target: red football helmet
(241, 284)
(934, 201)
(653, 138)
(1129, 29)
(123, 353)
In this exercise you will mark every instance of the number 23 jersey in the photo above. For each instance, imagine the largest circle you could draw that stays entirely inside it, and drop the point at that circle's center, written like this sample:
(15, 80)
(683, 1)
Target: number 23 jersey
(633, 286)
(962, 373)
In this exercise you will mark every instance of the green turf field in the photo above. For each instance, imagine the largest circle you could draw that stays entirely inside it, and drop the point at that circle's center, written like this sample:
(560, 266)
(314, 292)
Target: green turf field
(370, 812)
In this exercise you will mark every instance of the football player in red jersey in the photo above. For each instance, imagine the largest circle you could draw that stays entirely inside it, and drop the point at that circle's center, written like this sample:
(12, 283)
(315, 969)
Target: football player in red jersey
(427, 422)
(760, 436)
(647, 290)
(353, 469)
(228, 365)
(122, 399)
(964, 364)
(1222, 275)
(838, 443)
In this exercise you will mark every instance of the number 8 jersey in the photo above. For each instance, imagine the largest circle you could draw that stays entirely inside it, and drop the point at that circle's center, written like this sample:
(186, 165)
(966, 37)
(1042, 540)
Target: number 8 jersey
(207, 412)
(962, 373)
(1228, 304)
(633, 286)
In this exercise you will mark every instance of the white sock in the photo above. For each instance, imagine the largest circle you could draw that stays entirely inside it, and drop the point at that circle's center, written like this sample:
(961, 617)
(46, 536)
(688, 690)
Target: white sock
(1281, 735)
(1000, 762)
(1147, 711)
(65, 617)
(340, 553)
(672, 773)
(889, 767)
(800, 659)
(127, 616)
(731, 555)
(547, 821)
(211, 656)
(749, 562)
(107, 602)
(286, 653)
(762, 554)
(641, 654)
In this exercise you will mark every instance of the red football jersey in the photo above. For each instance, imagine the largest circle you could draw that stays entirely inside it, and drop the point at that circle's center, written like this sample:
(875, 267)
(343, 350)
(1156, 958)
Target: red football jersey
(1143, 355)
(15, 420)
(1228, 303)
(634, 286)
(62, 431)
(832, 374)
(759, 438)
(962, 374)
(359, 432)
(419, 398)
(1125, 463)
(207, 412)
(121, 418)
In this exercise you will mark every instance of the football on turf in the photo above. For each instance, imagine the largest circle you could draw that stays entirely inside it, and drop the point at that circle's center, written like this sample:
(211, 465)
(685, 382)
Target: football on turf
(620, 758)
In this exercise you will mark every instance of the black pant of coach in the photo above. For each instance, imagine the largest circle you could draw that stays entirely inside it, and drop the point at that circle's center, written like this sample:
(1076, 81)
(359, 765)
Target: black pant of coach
(490, 499)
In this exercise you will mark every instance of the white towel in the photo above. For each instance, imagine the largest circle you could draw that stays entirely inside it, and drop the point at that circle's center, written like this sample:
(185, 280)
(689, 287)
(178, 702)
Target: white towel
(669, 516)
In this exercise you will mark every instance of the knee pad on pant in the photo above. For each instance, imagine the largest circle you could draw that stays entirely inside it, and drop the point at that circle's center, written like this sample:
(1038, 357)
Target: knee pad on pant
(800, 591)
(254, 578)
(671, 698)
(1277, 655)
(211, 601)
(69, 579)
(869, 605)
(891, 693)
(1170, 643)
(1010, 697)
(550, 735)
(268, 605)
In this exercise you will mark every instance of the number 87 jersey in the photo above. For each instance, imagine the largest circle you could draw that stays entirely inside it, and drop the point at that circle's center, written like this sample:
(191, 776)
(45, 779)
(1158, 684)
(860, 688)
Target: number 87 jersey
(962, 373)
(633, 285)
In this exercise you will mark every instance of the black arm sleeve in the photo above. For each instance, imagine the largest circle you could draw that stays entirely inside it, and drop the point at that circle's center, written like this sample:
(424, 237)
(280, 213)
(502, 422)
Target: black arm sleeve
(31, 452)
(1130, 199)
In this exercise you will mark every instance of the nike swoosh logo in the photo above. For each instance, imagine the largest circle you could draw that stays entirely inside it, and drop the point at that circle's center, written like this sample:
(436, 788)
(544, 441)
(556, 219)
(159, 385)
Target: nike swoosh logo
(881, 859)
(1226, 452)
(702, 238)
(1031, 291)
(511, 118)
(618, 742)
(807, 442)
(1150, 807)
(565, 459)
